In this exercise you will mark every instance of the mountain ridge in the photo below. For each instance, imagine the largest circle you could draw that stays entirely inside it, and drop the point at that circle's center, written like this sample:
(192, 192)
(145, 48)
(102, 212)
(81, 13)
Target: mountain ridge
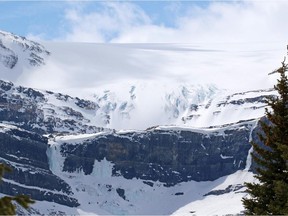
(72, 113)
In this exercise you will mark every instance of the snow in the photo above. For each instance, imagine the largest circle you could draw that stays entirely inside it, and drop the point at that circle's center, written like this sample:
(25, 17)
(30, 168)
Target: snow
(97, 192)
(228, 203)
(216, 131)
(166, 105)
(179, 105)
(203, 146)
(77, 138)
(6, 127)
(150, 103)
(225, 157)
(30, 187)
(249, 157)
(130, 101)
(18, 165)
(102, 169)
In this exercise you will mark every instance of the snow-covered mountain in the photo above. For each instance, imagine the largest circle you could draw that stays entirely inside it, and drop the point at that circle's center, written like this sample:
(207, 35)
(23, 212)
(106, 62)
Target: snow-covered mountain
(134, 107)
(143, 105)
(112, 147)
(17, 55)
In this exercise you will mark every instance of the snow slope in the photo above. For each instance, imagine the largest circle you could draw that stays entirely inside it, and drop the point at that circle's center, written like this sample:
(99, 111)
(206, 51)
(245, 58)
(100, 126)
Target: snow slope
(140, 105)
(100, 197)
(143, 105)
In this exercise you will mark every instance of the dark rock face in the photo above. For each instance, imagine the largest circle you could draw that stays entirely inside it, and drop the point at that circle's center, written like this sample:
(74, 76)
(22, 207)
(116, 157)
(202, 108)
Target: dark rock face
(179, 194)
(167, 156)
(15, 109)
(229, 189)
(25, 153)
(121, 193)
(249, 100)
(30, 109)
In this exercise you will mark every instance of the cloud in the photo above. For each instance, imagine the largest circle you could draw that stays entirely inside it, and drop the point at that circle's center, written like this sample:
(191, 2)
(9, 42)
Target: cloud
(111, 21)
(234, 45)
(247, 21)
(85, 65)
(125, 22)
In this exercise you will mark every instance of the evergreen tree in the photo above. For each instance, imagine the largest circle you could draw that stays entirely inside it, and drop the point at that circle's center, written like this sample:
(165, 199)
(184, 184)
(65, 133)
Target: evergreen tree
(270, 194)
(6, 203)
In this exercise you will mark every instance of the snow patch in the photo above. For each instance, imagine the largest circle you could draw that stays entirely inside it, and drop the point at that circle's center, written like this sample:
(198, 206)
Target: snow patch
(102, 169)
(226, 157)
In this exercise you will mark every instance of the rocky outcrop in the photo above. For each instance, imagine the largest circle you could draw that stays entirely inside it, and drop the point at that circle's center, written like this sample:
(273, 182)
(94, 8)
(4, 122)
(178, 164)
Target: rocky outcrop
(25, 153)
(7, 57)
(229, 189)
(34, 110)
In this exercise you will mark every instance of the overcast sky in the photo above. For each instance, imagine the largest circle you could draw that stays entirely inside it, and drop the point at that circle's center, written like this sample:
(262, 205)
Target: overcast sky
(240, 39)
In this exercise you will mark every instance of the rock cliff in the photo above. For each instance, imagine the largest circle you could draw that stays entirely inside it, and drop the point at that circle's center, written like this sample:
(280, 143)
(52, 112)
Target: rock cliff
(166, 155)
(25, 153)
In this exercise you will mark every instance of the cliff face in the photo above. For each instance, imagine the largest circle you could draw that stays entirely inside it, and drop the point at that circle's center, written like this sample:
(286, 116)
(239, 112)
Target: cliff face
(25, 153)
(169, 156)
